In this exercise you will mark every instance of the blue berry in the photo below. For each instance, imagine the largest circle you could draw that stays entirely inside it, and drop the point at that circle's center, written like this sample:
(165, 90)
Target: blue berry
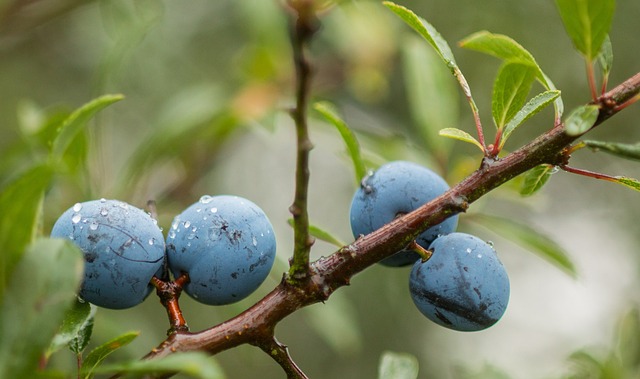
(397, 188)
(463, 286)
(123, 248)
(227, 246)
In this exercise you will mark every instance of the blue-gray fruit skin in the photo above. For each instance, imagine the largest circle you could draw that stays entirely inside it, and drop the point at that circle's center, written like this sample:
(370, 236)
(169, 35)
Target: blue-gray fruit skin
(227, 246)
(123, 248)
(463, 286)
(398, 188)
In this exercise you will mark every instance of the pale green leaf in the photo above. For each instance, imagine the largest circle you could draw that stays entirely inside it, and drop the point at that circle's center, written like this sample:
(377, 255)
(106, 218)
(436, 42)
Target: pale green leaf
(510, 91)
(43, 286)
(93, 360)
(605, 57)
(322, 235)
(581, 119)
(587, 22)
(329, 112)
(623, 150)
(530, 239)
(74, 124)
(20, 219)
(536, 178)
(397, 366)
(76, 328)
(195, 364)
(533, 106)
(629, 182)
(461, 135)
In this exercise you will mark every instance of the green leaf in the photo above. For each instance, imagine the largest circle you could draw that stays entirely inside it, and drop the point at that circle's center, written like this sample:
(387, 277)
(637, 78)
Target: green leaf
(97, 355)
(510, 91)
(397, 366)
(428, 32)
(581, 119)
(195, 364)
(587, 22)
(623, 150)
(432, 96)
(321, 234)
(20, 219)
(507, 49)
(76, 328)
(328, 111)
(629, 182)
(460, 135)
(74, 124)
(529, 238)
(605, 57)
(43, 286)
(536, 178)
(533, 106)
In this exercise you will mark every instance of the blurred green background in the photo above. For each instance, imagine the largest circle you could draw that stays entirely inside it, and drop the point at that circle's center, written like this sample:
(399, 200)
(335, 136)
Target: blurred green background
(207, 86)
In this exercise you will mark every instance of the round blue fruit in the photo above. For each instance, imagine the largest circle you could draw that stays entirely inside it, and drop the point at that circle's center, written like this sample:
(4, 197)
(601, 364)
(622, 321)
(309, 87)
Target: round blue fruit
(463, 286)
(225, 244)
(397, 188)
(123, 248)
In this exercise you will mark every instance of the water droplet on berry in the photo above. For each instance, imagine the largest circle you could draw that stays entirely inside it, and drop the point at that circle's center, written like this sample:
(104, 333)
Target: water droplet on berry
(206, 199)
(93, 226)
(104, 211)
(76, 218)
(187, 224)
(77, 207)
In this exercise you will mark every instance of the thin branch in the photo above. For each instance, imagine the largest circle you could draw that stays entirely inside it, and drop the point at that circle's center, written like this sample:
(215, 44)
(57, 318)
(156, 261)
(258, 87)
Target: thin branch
(306, 25)
(330, 273)
(280, 354)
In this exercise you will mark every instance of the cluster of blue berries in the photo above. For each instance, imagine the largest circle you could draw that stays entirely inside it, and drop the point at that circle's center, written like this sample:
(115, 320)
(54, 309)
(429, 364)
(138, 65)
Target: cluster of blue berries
(225, 244)
(463, 285)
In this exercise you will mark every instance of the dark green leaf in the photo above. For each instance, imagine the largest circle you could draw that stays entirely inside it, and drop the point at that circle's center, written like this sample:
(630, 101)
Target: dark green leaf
(505, 48)
(460, 135)
(74, 124)
(43, 286)
(329, 112)
(587, 22)
(97, 355)
(581, 119)
(76, 328)
(432, 95)
(194, 364)
(533, 106)
(536, 178)
(321, 234)
(623, 150)
(20, 219)
(510, 91)
(529, 238)
(397, 366)
(606, 57)
(629, 182)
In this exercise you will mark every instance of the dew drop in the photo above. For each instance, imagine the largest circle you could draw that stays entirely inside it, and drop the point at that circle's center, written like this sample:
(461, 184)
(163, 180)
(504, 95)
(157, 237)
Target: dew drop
(93, 225)
(104, 211)
(479, 255)
(187, 224)
(468, 250)
(206, 199)
(194, 229)
(214, 210)
(490, 243)
(198, 210)
(76, 218)
(191, 236)
(103, 200)
(152, 241)
(77, 207)
(255, 241)
(172, 234)
(174, 225)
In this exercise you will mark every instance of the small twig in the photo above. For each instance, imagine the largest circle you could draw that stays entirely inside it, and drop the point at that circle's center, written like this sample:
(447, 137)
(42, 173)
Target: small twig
(280, 353)
(169, 293)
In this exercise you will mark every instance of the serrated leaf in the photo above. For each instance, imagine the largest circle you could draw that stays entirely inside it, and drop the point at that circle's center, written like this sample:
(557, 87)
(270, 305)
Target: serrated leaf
(460, 135)
(536, 178)
(195, 364)
(100, 353)
(605, 57)
(533, 106)
(510, 91)
(20, 219)
(76, 328)
(43, 286)
(428, 32)
(587, 22)
(321, 234)
(529, 238)
(432, 96)
(581, 119)
(328, 111)
(73, 124)
(623, 150)
(507, 49)
(629, 182)
(397, 366)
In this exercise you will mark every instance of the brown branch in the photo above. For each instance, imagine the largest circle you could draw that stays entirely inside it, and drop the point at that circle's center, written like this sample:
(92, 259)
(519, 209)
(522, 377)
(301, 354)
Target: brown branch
(328, 274)
(280, 353)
